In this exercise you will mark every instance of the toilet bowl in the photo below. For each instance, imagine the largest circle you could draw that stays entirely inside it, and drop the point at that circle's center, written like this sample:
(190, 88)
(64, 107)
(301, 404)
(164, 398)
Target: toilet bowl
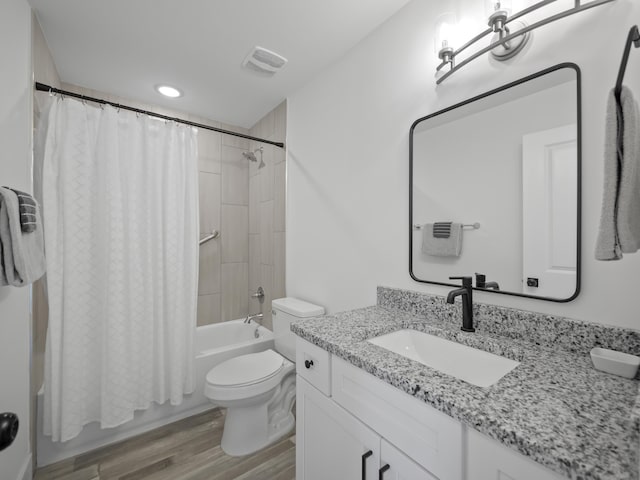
(258, 389)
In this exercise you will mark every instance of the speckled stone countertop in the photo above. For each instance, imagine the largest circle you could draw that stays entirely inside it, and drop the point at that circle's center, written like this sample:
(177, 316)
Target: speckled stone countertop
(554, 407)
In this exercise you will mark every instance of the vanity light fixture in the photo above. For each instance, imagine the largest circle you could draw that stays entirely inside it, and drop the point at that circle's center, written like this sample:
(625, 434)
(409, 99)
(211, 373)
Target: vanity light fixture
(445, 40)
(510, 33)
(168, 91)
(498, 12)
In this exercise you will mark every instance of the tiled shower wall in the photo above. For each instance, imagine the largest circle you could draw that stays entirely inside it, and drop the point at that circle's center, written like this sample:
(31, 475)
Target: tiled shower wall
(224, 206)
(267, 198)
(247, 205)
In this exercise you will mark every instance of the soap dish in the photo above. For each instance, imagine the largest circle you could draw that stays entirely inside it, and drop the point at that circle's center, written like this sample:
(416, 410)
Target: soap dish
(618, 363)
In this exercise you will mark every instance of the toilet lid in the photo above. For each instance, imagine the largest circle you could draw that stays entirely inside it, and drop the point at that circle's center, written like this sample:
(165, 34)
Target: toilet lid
(246, 369)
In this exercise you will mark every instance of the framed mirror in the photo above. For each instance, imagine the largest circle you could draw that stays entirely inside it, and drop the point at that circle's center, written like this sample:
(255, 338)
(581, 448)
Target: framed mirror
(494, 189)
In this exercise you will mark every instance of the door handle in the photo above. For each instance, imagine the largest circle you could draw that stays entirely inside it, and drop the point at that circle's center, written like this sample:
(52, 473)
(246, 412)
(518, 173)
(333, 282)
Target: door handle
(382, 470)
(8, 429)
(364, 463)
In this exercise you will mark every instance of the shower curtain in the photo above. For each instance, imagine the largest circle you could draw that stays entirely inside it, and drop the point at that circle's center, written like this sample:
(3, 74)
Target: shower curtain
(120, 213)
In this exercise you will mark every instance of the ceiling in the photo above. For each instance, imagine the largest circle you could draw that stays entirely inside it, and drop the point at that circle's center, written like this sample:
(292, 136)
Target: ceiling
(126, 47)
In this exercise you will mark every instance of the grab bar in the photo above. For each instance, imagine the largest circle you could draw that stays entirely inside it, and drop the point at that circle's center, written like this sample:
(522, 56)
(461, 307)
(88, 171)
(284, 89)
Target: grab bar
(475, 226)
(214, 234)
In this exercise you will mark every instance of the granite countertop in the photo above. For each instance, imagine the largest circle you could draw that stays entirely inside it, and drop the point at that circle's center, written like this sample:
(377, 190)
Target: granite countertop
(554, 407)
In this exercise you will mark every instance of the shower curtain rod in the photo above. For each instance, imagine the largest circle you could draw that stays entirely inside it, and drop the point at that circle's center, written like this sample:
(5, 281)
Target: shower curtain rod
(41, 87)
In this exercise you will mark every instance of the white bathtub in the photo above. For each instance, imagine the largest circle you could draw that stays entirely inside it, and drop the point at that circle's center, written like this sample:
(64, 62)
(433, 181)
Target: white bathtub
(213, 344)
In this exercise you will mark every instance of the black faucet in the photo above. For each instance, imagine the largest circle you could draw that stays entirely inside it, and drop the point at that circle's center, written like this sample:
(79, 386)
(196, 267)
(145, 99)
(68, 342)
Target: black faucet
(467, 302)
(481, 282)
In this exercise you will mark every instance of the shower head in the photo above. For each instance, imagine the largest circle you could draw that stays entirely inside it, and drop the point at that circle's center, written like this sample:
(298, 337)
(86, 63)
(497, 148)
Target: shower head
(251, 156)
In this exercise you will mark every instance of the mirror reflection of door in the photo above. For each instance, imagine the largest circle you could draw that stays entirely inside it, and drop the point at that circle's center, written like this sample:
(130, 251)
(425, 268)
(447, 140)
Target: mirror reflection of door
(549, 204)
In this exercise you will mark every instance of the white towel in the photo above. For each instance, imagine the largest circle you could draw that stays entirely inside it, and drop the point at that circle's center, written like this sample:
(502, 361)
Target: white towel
(21, 254)
(442, 247)
(620, 214)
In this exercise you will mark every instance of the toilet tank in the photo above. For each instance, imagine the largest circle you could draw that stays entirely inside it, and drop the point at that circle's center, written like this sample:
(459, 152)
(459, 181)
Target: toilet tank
(285, 311)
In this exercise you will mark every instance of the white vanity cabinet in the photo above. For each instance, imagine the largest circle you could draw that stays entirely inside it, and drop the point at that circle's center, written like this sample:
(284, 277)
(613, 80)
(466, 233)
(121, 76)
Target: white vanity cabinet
(350, 425)
(332, 444)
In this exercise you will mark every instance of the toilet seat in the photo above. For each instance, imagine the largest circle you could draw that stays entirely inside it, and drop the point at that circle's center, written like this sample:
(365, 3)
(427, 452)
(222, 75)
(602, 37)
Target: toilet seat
(246, 369)
(246, 376)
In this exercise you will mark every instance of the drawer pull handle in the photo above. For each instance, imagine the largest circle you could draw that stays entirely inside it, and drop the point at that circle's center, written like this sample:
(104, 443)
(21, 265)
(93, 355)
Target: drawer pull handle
(364, 463)
(308, 363)
(382, 470)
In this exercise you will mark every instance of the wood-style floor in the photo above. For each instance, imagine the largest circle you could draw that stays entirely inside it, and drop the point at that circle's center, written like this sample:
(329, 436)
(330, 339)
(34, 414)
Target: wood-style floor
(185, 450)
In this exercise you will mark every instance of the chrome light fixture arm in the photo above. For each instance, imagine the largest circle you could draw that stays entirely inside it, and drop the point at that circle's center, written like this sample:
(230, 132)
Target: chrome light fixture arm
(511, 35)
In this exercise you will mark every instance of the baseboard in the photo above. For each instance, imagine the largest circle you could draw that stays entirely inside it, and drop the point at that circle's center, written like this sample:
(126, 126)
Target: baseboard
(93, 437)
(26, 472)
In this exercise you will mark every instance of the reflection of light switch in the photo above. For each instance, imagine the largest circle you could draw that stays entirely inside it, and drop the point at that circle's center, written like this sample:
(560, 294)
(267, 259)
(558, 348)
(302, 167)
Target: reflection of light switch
(532, 282)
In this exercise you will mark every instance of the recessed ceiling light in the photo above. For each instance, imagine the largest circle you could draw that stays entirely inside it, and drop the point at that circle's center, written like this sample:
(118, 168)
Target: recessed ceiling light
(168, 91)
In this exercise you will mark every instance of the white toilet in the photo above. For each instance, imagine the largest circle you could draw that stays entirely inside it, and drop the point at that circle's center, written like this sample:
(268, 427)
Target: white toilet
(258, 389)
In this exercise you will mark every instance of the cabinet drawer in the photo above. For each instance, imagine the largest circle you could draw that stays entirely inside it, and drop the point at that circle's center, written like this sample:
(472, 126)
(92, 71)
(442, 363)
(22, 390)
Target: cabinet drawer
(431, 438)
(314, 365)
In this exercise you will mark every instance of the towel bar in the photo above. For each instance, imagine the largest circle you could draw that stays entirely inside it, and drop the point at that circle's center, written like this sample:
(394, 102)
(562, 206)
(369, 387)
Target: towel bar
(475, 226)
(214, 234)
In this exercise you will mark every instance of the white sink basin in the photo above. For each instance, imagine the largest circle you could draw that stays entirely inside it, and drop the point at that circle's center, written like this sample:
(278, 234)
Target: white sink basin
(466, 363)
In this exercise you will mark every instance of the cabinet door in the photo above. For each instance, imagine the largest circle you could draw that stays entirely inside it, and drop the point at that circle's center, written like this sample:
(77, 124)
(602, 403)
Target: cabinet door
(330, 443)
(400, 466)
(489, 459)
(431, 438)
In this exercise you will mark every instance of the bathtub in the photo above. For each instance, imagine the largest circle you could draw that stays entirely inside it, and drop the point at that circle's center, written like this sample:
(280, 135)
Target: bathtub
(213, 344)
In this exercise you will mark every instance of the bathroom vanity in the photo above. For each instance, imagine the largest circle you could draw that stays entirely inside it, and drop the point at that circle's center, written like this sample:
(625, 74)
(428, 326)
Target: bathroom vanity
(366, 412)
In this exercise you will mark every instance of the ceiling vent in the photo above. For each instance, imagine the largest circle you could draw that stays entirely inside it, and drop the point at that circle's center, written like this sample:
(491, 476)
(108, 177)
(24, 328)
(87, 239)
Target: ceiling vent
(264, 61)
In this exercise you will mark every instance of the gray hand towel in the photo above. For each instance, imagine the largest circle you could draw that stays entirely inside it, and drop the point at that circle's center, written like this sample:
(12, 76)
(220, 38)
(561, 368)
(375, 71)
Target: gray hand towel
(442, 247)
(442, 229)
(607, 244)
(619, 230)
(28, 207)
(628, 215)
(22, 258)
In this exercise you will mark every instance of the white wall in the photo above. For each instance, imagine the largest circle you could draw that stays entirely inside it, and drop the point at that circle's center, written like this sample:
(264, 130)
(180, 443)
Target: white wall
(348, 136)
(15, 155)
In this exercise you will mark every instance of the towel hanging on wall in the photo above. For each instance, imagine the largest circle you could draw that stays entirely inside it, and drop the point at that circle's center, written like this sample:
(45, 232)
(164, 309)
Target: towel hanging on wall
(628, 203)
(619, 230)
(22, 258)
(450, 246)
(27, 206)
(442, 229)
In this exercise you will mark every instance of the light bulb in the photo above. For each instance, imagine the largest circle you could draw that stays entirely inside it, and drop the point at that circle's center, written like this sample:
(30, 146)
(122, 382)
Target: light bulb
(445, 32)
(492, 6)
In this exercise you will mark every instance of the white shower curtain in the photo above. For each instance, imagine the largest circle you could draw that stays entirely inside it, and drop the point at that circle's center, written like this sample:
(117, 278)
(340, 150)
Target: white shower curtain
(121, 234)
